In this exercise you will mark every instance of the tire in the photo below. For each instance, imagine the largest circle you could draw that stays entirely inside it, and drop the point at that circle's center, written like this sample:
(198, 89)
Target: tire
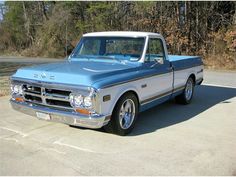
(124, 115)
(187, 95)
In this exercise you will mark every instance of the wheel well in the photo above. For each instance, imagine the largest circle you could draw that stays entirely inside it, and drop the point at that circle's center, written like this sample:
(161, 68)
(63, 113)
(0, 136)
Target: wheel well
(128, 92)
(193, 77)
(131, 92)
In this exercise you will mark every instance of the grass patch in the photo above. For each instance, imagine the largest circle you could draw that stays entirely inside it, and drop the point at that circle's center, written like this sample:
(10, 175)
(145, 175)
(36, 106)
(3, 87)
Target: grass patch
(6, 70)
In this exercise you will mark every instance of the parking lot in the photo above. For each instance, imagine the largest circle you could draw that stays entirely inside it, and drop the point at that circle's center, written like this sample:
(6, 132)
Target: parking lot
(170, 139)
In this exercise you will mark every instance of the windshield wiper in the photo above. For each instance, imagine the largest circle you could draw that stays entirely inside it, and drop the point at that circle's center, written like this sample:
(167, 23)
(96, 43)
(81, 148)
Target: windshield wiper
(82, 56)
(107, 57)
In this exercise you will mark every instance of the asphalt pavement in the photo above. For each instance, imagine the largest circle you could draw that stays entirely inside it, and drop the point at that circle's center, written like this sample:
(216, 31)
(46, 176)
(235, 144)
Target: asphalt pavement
(13, 59)
(170, 139)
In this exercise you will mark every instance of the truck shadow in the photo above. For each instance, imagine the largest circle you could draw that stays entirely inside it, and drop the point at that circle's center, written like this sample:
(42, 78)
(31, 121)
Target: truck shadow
(169, 113)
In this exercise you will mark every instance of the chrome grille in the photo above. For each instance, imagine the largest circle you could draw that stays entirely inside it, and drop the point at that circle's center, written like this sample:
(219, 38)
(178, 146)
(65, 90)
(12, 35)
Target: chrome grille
(57, 98)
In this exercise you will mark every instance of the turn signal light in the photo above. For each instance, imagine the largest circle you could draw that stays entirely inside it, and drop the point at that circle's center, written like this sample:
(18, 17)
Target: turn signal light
(19, 99)
(82, 111)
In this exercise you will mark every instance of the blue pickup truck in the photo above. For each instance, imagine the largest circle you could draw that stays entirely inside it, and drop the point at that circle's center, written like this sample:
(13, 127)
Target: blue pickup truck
(106, 81)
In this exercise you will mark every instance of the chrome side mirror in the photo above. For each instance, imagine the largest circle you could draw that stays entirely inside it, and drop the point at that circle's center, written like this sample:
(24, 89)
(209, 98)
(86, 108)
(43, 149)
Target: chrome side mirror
(159, 60)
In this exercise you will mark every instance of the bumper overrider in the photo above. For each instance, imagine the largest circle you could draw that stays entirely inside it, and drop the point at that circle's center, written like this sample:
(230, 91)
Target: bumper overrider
(66, 117)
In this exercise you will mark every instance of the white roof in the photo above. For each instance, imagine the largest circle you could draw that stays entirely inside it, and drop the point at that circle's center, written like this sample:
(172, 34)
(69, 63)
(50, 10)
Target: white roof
(121, 34)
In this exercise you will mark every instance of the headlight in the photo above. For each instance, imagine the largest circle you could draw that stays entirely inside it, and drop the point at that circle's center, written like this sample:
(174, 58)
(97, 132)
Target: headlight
(76, 100)
(80, 101)
(17, 89)
(87, 101)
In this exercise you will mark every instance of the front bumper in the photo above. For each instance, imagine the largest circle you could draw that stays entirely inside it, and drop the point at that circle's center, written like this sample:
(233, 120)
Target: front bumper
(70, 118)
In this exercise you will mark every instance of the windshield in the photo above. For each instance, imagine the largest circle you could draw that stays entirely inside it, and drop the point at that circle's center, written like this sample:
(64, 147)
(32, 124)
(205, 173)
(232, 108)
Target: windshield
(118, 48)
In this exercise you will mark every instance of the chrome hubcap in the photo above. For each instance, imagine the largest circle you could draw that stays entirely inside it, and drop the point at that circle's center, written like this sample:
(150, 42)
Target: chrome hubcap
(189, 90)
(127, 114)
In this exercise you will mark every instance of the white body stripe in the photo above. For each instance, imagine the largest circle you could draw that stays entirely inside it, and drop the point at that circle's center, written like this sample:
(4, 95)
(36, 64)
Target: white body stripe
(181, 76)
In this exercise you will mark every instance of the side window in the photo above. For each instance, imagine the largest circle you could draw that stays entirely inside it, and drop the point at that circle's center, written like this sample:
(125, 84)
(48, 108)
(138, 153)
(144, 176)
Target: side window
(155, 50)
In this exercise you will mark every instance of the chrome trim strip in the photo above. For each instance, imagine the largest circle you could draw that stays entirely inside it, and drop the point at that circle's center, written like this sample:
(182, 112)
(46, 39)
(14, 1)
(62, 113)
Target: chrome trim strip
(32, 94)
(148, 100)
(56, 97)
(178, 89)
(35, 92)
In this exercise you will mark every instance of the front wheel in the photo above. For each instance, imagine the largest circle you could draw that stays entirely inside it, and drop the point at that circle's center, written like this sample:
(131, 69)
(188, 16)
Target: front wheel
(187, 95)
(124, 115)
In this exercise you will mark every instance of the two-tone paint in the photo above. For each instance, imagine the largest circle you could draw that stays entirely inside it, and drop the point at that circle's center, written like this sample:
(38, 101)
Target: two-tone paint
(151, 82)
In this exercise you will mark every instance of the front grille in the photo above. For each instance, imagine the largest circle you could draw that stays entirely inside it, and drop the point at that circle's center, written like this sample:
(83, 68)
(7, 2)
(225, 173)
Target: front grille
(56, 98)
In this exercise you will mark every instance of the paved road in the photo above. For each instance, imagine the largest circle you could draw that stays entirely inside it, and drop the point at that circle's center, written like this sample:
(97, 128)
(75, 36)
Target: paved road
(170, 139)
(221, 78)
(27, 60)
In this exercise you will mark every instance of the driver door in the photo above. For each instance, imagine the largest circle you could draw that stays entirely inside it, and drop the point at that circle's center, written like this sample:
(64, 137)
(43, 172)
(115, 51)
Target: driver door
(160, 84)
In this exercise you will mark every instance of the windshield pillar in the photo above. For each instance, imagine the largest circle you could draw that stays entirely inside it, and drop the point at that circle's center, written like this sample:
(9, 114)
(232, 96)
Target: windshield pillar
(144, 50)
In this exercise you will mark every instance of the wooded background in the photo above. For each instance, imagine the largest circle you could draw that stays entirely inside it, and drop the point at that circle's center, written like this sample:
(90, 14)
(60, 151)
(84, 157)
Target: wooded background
(45, 28)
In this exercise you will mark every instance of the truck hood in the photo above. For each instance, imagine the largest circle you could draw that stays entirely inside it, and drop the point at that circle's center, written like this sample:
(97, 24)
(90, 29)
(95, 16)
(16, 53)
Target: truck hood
(83, 73)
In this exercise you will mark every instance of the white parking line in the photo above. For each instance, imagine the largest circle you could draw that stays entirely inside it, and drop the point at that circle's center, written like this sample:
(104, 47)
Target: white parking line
(10, 139)
(52, 149)
(15, 131)
(74, 147)
(216, 85)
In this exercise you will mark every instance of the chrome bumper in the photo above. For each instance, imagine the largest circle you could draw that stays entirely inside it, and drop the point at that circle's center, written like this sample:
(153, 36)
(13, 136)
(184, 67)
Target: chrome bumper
(70, 118)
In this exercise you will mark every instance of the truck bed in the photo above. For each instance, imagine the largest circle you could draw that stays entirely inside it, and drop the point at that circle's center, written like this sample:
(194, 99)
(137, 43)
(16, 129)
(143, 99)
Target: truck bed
(180, 62)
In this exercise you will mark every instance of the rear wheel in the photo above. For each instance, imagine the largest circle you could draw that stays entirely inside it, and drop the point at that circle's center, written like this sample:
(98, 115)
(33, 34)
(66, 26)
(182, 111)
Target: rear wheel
(187, 95)
(124, 115)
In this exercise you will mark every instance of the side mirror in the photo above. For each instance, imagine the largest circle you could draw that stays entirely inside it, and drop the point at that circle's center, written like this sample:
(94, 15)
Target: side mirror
(168, 46)
(68, 49)
(159, 60)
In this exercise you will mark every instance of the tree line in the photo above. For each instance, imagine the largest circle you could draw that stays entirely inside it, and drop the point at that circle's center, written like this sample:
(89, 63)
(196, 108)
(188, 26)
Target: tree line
(48, 28)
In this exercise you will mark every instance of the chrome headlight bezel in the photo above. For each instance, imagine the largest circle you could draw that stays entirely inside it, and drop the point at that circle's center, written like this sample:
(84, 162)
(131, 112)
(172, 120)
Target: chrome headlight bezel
(76, 100)
(16, 89)
(80, 101)
(90, 100)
